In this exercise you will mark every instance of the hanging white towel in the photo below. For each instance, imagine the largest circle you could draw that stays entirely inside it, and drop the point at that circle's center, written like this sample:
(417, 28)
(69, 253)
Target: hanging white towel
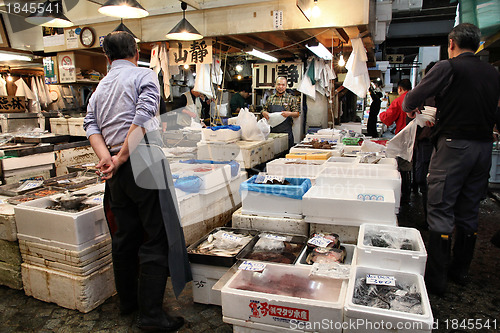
(47, 91)
(154, 61)
(3, 87)
(203, 82)
(216, 71)
(305, 86)
(163, 56)
(42, 98)
(35, 105)
(24, 90)
(357, 79)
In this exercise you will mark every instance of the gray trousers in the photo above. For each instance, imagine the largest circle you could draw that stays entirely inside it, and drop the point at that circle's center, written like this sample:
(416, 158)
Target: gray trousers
(457, 181)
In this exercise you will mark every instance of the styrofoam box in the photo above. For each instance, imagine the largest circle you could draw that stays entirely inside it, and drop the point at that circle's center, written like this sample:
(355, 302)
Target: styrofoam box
(363, 179)
(196, 207)
(323, 137)
(88, 269)
(284, 167)
(350, 258)
(268, 150)
(64, 256)
(360, 313)
(10, 276)
(242, 326)
(25, 164)
(76, 126)
(280, 142)
(9, 253)
(82, 293)
(213, 176)
(8, 229)
(394, 259)
(340, 205)
(34, 219)
(263, 204)
(295, 226)
(347, 233)
(389, 163)
(325, 299)
(204, 278)
(310, 150)
(221, 135)
(59, 126)
(247, 153)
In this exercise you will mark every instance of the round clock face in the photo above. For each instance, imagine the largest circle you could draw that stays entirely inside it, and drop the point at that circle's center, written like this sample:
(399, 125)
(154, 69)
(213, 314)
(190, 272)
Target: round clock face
(87, 37)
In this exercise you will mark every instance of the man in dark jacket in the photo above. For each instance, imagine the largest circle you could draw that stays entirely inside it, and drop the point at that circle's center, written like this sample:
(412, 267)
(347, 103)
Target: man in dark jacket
(467, 91)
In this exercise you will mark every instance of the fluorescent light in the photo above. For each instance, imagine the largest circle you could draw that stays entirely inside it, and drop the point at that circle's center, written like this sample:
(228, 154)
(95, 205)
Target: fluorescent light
(5, 56)
(143, 63)
(261, 55)
(321, 51)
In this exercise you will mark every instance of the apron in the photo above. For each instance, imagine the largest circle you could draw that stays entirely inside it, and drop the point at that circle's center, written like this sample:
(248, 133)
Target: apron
(285, 126)
(183, 119)
(151, 157)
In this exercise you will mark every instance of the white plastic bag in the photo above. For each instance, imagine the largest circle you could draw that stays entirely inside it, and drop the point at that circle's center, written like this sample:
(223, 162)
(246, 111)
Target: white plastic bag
(402, 144)
(250, 131)
(369, 146)
(264, 127)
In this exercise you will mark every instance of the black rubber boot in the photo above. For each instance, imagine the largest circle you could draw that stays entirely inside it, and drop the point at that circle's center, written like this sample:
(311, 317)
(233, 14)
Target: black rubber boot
(126, 274)
(463, 251)
(152, 317)
(438, 258)
(405, 186)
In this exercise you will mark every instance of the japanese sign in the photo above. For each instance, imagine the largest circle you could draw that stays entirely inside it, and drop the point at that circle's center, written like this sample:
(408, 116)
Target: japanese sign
(66, 64)
(12, 104)
(49, 70)
(263, 309)
(71, 38)
(190, 52)
(264, 75)
(395, 58)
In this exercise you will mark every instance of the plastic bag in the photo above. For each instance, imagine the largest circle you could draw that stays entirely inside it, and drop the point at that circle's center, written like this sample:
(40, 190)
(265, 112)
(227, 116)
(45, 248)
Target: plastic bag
(250, 131)
(264, 127)
(402, 144)
(369, 146)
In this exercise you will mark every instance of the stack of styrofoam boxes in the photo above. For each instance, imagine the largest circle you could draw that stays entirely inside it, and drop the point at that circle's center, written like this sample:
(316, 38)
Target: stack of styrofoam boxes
(407, 266)
(215, 202)
(221, 135)
(280, 141)
(67, 256)
(10, 256)
(59, 125)
(15, 169)
(384, 163)
(247, 153)
(75, 126)
(295, 168)
(267, 309)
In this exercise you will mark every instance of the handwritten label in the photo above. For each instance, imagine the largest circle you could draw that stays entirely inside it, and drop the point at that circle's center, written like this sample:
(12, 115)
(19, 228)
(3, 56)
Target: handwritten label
(275, 237)
(252, 266)
(381, 280)
(28, 185)
(97, 199)
(230, 237)
(319, 241)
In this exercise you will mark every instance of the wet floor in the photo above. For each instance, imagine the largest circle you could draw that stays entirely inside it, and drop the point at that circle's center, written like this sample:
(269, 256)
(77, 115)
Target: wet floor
(462, 309)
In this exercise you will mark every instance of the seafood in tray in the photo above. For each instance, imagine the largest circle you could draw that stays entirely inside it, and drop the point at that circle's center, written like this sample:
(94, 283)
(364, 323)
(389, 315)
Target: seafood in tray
(278, 248)
(325, 248)
(220, 247)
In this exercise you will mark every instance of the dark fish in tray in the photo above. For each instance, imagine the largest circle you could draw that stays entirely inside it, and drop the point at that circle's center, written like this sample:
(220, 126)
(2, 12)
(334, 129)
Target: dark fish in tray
(325, 255)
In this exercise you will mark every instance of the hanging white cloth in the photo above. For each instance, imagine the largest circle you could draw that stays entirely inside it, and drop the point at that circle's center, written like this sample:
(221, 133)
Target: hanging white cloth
(216, 71)
(357, 79)
(47, 91)
(3, 87)
(154, 61)
(34, 106)
(42, 98)
(163, 56)
(203, 82)
(24, 90)
(305, 86)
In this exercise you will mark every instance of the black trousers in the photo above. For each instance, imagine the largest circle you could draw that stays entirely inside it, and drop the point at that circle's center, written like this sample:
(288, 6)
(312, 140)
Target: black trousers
(140, 229)
(457, 181)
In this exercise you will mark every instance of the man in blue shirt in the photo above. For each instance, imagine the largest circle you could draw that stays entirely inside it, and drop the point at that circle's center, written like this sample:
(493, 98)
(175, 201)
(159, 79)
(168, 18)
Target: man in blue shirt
(119, 113)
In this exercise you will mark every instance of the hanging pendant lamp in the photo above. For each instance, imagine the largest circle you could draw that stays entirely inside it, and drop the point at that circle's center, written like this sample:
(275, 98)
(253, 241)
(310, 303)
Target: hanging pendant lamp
(123, 9)
(123, 27)
(50, 15)
(184, 30)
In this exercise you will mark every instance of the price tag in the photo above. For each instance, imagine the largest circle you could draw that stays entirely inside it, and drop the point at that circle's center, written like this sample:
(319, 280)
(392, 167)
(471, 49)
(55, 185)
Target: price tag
(381, 280)
(275, 237)
(252, 266)
(319, 241)
(97, 199)
(272, 178)
(63, 181)
(30, 184)
(230, 237)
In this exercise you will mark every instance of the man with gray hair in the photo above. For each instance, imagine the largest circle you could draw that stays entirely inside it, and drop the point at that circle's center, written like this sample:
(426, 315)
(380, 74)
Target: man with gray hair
(466, 91)
(147, 239)
(284, 107)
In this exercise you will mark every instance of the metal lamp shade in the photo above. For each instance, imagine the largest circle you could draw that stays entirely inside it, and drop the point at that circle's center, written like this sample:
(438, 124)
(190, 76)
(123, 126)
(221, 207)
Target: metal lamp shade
(184, 31)
(123, 27)
(123, 9)
(49, 17)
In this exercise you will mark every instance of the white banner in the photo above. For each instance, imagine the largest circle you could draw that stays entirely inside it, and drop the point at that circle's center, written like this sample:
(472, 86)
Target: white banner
(264, 75)
(190, 52)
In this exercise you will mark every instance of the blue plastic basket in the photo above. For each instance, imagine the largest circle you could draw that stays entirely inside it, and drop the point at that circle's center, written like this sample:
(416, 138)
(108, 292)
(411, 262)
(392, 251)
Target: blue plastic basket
(297, 189)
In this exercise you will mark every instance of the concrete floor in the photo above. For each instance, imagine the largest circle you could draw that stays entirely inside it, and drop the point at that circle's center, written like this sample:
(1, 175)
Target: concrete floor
(480, 301)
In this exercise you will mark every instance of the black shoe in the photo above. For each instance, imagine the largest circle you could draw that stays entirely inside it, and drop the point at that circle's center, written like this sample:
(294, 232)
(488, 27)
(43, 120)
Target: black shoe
(128, 308)
(438, 258)
(463, 251)
(165, 324)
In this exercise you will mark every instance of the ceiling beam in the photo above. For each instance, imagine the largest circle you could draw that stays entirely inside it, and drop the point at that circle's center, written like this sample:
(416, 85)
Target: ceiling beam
(342, 35)
(192, 3)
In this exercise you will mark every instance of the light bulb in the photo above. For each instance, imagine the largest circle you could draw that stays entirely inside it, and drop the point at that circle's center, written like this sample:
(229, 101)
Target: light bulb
(9, 78)
(316, 11)
(186, 66)
(239, 77)
(341, 61)
(239, 68)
